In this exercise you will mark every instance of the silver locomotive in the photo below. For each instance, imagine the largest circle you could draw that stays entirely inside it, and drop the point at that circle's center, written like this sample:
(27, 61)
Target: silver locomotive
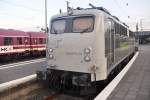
(84, 47)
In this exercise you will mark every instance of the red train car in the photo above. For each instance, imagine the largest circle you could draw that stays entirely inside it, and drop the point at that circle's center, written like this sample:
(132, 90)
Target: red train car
(37, 43)
(15, 43)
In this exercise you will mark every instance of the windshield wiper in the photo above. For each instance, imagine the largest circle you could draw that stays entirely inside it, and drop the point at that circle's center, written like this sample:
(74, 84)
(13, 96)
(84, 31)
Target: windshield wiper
(85, 30)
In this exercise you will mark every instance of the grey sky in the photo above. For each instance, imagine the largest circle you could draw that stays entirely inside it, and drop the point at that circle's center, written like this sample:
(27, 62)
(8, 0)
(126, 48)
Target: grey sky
(29, 14)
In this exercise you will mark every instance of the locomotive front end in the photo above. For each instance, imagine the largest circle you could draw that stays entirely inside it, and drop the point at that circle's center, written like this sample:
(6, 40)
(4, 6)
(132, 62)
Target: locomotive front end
(70, 49)
(70, 44)
(74, 55)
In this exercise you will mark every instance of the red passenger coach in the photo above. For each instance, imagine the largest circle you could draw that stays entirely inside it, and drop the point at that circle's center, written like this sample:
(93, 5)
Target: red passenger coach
(37, 43)
(13, 42)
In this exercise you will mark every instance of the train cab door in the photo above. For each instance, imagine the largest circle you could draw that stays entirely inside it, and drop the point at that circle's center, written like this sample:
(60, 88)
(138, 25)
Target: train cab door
(112, 44)
(109, 42)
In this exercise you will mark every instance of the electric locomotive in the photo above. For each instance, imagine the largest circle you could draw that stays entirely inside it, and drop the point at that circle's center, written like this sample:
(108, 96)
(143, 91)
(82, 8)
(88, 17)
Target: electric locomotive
(84, 47)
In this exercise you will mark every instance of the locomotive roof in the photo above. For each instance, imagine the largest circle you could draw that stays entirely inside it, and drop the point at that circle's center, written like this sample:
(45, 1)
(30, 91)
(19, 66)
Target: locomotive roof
(18, 33)
(93, 11)
(77, 12)
(12, 33)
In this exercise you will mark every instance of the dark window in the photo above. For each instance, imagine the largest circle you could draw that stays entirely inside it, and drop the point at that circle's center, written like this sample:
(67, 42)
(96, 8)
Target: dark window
(44, 40)
(35, 40)
(40, 40)
(26, 40)
(7, 41)
(19, 40)
(123, 30)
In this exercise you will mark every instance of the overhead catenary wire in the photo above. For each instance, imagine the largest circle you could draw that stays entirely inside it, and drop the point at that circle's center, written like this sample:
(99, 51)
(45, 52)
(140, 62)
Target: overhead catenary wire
(12, 15)
(121, 8)
(19, 16)
(23, 6)
(20, 6)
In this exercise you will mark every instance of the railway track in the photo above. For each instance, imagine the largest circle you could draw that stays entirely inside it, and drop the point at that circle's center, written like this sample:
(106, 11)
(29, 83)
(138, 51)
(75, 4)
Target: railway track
(20, 60)
(35, 90)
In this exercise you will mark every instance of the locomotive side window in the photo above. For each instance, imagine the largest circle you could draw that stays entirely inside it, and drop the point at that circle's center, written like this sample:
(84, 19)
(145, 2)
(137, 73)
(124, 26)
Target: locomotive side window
(123, 31)
(58, 26)
(117, 35)
(83, 24)
(8, 41)
(19, 40)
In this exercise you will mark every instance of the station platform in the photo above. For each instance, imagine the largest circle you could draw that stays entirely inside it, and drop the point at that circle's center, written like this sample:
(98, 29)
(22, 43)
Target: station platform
(135, 85)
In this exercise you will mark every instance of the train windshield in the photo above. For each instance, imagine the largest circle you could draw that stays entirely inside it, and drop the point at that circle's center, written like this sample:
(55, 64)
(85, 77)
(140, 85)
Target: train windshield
(83, 24)
(58, 26)
(80, 24)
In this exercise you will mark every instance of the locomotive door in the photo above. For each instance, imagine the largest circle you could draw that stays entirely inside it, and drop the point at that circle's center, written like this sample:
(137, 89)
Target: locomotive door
(112, 40)
(109, 41)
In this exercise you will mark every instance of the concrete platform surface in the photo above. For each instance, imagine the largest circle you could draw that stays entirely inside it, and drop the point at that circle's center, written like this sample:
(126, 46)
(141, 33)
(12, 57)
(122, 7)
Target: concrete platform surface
(135, 85)
(15, 71)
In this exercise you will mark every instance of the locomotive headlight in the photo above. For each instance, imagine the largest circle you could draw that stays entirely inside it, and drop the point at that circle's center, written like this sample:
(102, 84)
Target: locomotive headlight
(87, 58)
(51, 56)
(87, 50)
(50, 50)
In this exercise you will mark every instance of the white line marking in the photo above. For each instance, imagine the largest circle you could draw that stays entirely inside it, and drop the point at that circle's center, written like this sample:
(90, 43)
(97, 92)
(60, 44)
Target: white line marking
(11, 84)
(21, 63)
(111, 86)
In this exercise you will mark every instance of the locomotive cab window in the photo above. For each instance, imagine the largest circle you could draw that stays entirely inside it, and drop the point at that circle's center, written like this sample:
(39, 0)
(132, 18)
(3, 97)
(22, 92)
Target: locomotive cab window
(58, 26)
(8, 41)
(83, 24)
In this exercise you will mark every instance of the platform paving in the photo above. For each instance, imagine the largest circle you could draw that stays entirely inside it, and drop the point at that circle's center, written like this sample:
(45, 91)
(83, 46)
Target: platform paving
(135, 85)
(20, 71)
